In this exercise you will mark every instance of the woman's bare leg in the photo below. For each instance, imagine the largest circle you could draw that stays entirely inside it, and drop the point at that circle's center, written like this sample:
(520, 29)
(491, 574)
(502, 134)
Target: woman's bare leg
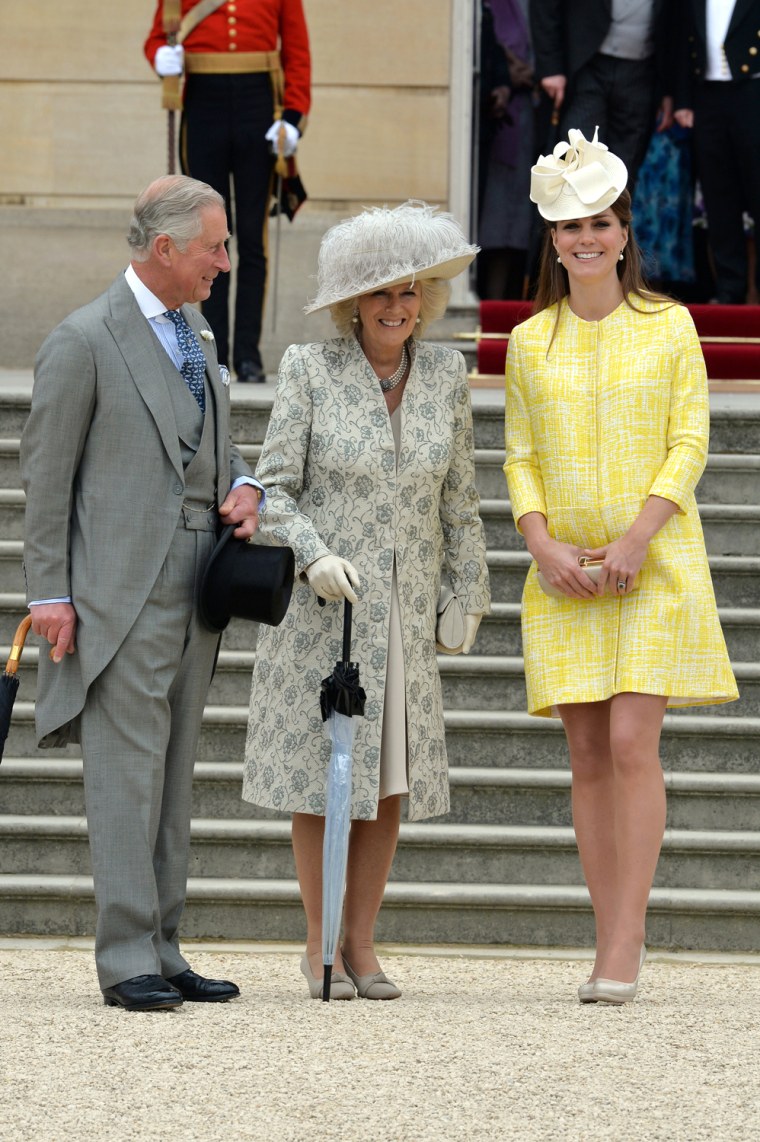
(308, 833)
(370, 855)
(587, 727)
(371, 848)
(635, 728)
(619, 818)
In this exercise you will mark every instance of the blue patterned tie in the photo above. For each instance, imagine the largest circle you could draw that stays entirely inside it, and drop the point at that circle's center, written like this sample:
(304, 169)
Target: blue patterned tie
(194, 363)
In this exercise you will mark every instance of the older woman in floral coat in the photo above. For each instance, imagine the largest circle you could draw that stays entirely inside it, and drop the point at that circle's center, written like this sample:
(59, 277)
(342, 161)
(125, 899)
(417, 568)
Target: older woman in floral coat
(369, 468)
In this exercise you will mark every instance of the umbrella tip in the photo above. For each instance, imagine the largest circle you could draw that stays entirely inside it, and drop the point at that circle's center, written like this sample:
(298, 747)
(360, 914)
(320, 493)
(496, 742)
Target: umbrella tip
(326, 983)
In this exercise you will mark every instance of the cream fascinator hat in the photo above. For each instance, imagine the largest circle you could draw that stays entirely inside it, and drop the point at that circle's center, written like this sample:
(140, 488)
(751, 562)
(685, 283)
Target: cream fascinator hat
(386, 247)
(578, 179)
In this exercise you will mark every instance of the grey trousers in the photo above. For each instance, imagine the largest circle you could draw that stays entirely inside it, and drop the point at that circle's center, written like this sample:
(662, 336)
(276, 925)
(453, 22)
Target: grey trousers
(139, 734)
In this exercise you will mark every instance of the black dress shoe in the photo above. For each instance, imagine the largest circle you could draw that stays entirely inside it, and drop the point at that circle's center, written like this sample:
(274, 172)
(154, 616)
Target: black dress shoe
(142, 993)
(195, 987)
(248, 372)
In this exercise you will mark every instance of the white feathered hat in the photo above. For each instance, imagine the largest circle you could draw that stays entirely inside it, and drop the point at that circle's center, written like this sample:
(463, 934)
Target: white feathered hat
(578, 179)
(384, 247)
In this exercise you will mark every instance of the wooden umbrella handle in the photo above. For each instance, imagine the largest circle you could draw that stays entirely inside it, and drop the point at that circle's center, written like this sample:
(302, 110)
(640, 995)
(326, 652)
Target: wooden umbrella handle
(19, 638)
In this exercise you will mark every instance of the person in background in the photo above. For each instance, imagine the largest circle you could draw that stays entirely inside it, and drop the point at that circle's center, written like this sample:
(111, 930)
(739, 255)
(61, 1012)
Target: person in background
(369, 468)
(718, 94)
(607, 424)
(507, 130)
(606, 64)
(247, 92)
(127, 467)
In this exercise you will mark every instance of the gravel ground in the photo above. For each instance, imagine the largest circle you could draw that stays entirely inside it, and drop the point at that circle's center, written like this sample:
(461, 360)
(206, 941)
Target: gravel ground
(484, 1045)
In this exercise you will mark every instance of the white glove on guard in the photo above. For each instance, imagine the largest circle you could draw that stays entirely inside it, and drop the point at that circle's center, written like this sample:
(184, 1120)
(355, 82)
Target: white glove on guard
(289, 141)
(170, 60)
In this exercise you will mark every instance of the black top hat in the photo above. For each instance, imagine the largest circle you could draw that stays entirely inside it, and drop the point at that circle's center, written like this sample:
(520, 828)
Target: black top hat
(247, 581)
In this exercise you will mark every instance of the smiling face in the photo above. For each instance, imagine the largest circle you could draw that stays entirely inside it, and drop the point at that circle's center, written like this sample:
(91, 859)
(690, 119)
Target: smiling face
(192, 271)
(388, 317)
(590, 248)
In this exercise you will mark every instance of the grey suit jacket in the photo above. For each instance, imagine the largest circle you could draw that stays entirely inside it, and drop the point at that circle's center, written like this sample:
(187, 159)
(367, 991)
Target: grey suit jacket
(104, 483)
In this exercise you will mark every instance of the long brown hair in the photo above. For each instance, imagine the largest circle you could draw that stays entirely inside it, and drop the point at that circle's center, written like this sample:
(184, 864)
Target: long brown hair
(554, 284)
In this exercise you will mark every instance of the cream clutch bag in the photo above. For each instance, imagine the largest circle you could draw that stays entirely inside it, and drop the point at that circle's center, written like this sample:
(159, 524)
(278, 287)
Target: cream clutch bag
(449, 627)
(592, 567)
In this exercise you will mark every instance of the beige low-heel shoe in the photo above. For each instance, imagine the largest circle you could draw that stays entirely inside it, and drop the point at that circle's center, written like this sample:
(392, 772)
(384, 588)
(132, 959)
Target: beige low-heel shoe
(373, 986)
(586, 992)
(615, 992)
(340, 985)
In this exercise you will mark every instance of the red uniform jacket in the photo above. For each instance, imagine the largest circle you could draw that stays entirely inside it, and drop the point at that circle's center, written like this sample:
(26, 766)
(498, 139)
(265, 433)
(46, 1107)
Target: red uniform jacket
(252, 26)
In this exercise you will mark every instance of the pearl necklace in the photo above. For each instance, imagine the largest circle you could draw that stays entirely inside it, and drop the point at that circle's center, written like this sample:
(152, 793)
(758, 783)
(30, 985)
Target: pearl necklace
(395, 378)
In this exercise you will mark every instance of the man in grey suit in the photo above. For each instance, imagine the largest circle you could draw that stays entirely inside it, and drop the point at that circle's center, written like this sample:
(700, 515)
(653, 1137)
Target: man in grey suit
(127, 466)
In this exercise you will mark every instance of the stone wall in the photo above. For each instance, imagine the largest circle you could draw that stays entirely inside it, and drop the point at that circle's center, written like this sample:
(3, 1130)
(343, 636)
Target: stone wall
(84, 132)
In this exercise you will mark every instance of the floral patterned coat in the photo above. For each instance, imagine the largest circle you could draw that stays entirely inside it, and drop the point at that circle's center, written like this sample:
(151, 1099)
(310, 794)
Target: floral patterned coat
(333, 487)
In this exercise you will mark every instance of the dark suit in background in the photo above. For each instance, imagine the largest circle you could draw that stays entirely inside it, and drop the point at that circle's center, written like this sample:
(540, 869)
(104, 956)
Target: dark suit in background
(618, 95)
(726, 135)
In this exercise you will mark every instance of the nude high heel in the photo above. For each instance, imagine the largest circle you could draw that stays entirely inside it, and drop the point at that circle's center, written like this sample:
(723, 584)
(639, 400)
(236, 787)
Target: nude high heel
(615, 992)
(340, 985)
(376, 985)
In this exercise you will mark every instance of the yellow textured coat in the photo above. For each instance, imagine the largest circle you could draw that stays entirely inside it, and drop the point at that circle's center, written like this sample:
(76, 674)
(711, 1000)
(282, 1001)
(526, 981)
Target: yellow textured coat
(617, 411)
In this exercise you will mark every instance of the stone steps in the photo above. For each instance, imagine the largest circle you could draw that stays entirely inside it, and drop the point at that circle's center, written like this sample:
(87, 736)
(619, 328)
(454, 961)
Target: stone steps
(475, 681)
(479, 796)
(430, 853)
(502, 866)
(691, 742)
(733, 430)
(736, 581)
(420, 913)
(730, 529)
(727, 478)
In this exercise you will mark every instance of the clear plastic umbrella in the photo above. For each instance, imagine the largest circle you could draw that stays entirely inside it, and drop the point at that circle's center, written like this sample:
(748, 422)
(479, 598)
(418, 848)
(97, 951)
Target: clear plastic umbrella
(342, 699)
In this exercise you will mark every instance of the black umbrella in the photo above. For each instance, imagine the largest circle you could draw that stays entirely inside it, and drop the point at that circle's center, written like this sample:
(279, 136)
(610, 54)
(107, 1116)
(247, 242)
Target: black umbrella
(9, 680)
(341, 699)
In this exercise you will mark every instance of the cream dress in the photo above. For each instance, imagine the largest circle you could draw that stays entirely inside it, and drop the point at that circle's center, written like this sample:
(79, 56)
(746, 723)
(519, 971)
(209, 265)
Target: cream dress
(393, 768)
(615, 411)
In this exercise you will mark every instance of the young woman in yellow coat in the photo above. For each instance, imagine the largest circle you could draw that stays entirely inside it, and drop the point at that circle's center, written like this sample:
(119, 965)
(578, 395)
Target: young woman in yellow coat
(607, 423)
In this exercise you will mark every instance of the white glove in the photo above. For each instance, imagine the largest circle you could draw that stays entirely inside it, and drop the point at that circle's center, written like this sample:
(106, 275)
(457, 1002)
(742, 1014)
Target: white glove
(290, 140)
(471, 624)
(333, 578)
(170, 61)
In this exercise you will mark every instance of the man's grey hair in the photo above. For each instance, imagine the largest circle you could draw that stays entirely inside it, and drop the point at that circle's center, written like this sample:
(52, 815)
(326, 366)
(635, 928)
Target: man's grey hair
(171, 205)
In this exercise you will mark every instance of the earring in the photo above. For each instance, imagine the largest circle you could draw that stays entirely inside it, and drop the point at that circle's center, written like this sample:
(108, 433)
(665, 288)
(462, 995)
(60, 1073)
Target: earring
(418, 321)
(355, 317)
(621, 258)
(559, 259)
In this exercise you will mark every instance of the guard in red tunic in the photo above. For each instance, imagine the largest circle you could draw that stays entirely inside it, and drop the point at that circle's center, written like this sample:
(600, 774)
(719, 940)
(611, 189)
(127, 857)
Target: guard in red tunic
(248, 77)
